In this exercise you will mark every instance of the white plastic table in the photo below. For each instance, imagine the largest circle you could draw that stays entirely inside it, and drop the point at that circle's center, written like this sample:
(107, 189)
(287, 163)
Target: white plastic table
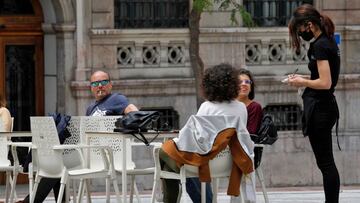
(123, 137)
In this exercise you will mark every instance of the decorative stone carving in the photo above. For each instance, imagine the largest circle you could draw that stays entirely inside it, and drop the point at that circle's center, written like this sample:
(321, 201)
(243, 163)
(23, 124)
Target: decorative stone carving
(176, 54)
(253, 53)
(276, 52)
(151, 55)
(126, 55)
(301, 55)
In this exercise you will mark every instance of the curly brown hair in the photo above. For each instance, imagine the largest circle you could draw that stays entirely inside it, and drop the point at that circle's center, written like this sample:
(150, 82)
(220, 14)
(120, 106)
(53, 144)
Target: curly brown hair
(220, 83)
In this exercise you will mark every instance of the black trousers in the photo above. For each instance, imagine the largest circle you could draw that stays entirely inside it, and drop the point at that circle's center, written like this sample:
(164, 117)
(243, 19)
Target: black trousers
(44, 188)
(322, 121)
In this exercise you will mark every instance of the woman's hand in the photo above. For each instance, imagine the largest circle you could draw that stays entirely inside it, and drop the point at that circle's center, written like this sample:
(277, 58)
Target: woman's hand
(296, 80)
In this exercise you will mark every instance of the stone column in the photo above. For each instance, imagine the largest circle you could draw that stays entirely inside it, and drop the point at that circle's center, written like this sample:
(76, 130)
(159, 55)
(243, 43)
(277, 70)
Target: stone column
(65, 63)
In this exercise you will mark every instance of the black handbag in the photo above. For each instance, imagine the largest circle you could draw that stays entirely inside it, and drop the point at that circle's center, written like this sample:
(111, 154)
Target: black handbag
(137, 122)
(267, 133)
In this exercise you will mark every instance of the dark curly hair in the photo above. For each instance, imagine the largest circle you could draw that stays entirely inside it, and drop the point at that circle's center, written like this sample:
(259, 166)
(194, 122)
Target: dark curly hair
(220, 83)
(243, 71)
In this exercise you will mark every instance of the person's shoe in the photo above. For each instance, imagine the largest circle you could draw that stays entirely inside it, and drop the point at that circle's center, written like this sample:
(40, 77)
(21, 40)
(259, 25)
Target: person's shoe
(20, 201)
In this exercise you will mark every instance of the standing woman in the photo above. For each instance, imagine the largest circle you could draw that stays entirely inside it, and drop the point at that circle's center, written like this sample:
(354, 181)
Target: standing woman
(320, 107)
(5, 117)
(254, 109)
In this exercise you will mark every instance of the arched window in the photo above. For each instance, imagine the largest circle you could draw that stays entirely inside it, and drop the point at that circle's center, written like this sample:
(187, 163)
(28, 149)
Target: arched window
(151, 13)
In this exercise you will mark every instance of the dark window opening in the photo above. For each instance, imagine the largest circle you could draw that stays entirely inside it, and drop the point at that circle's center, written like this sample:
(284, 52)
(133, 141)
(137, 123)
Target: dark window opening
(16, 7)
(267, 13)
(151, 13)
(285, 116)
(169, 118)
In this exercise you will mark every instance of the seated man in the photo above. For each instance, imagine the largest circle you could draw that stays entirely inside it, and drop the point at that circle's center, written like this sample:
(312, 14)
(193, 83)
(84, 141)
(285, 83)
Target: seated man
(107, 103)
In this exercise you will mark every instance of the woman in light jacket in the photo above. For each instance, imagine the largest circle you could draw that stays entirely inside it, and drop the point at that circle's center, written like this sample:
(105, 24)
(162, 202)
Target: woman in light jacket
(220, 87)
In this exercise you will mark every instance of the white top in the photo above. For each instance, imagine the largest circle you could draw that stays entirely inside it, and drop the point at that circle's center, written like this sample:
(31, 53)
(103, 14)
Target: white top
(5, 120)
(210, 120)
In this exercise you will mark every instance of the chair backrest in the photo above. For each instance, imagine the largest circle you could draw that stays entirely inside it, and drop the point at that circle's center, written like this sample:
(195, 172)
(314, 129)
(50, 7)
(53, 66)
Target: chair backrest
(4, 149)
(105, 124)
(49, 162)
(220, 166)
(12, 124)
(205, 128)
(71, 157)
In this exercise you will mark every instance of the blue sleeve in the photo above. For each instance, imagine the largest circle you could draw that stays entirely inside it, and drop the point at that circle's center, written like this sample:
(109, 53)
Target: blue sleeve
(117, 104)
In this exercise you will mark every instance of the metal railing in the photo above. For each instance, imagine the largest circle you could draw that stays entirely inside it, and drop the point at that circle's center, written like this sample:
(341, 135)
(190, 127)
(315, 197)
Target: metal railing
(151, 13)
(169, 118)
(285, 116)
(268, 13)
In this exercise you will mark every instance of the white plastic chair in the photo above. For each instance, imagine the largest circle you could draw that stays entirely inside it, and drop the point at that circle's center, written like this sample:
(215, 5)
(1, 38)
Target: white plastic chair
(5, 164)
(47, 156)
(220, 167)
(107, 124)
(261, 179)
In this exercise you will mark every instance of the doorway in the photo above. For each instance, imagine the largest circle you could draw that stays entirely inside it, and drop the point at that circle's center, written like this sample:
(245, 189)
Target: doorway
(21, 60)
(22, 64)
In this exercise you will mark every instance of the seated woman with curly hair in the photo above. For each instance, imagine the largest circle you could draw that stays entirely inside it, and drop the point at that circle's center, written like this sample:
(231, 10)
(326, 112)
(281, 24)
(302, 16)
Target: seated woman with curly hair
(220, 87)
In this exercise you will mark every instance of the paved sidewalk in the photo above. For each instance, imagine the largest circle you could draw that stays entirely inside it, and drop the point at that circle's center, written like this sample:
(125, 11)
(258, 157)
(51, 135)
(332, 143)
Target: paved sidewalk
(276, 195)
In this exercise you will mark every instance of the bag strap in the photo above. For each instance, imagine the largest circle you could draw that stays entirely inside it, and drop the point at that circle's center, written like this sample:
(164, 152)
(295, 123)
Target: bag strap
(143, 139)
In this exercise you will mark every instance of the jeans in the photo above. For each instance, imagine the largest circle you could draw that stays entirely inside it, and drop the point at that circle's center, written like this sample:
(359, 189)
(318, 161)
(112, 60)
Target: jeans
(193, 188)
(322, 121)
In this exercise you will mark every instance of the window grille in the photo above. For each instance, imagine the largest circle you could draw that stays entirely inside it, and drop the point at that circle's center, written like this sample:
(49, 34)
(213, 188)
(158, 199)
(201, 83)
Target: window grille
(151, 13)
(268, 13)
(169, 118)
(285, 116)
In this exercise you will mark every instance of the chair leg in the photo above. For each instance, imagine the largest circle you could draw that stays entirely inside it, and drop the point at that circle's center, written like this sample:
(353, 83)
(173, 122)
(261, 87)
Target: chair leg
(132, 188)
(33, 192)
(88, 191)
(155, 187)
(116, 188)
(137, 193)
(12, 192)
(107, 188)
(31, 179)
(182, 191)
(260, 176)
(215, 187)
(203, 192)
(67, 192)
(7, 181)
(81, 190)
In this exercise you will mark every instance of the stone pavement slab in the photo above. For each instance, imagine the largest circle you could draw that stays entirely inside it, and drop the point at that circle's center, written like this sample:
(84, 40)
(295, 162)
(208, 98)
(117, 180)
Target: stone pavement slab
(276, 195)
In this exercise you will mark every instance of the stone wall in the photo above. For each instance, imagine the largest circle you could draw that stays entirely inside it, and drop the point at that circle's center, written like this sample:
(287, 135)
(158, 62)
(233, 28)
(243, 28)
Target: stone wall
(142, 68)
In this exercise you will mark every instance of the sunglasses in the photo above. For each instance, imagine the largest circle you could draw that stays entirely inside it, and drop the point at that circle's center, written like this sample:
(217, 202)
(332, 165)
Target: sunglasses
(246, 82)
(100, 82)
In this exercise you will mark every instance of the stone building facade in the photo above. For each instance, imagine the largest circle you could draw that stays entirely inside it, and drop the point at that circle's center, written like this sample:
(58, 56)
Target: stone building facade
(151, 66)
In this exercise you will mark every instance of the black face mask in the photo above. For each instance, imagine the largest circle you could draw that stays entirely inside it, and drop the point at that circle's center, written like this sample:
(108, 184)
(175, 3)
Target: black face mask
(307, 36)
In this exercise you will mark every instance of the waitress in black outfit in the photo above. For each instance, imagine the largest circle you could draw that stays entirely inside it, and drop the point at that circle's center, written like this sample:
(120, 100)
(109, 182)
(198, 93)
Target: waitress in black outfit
(320, 107)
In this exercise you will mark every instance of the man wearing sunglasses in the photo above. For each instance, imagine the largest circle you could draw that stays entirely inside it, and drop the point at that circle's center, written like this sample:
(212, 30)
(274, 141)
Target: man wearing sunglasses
(107, 103)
